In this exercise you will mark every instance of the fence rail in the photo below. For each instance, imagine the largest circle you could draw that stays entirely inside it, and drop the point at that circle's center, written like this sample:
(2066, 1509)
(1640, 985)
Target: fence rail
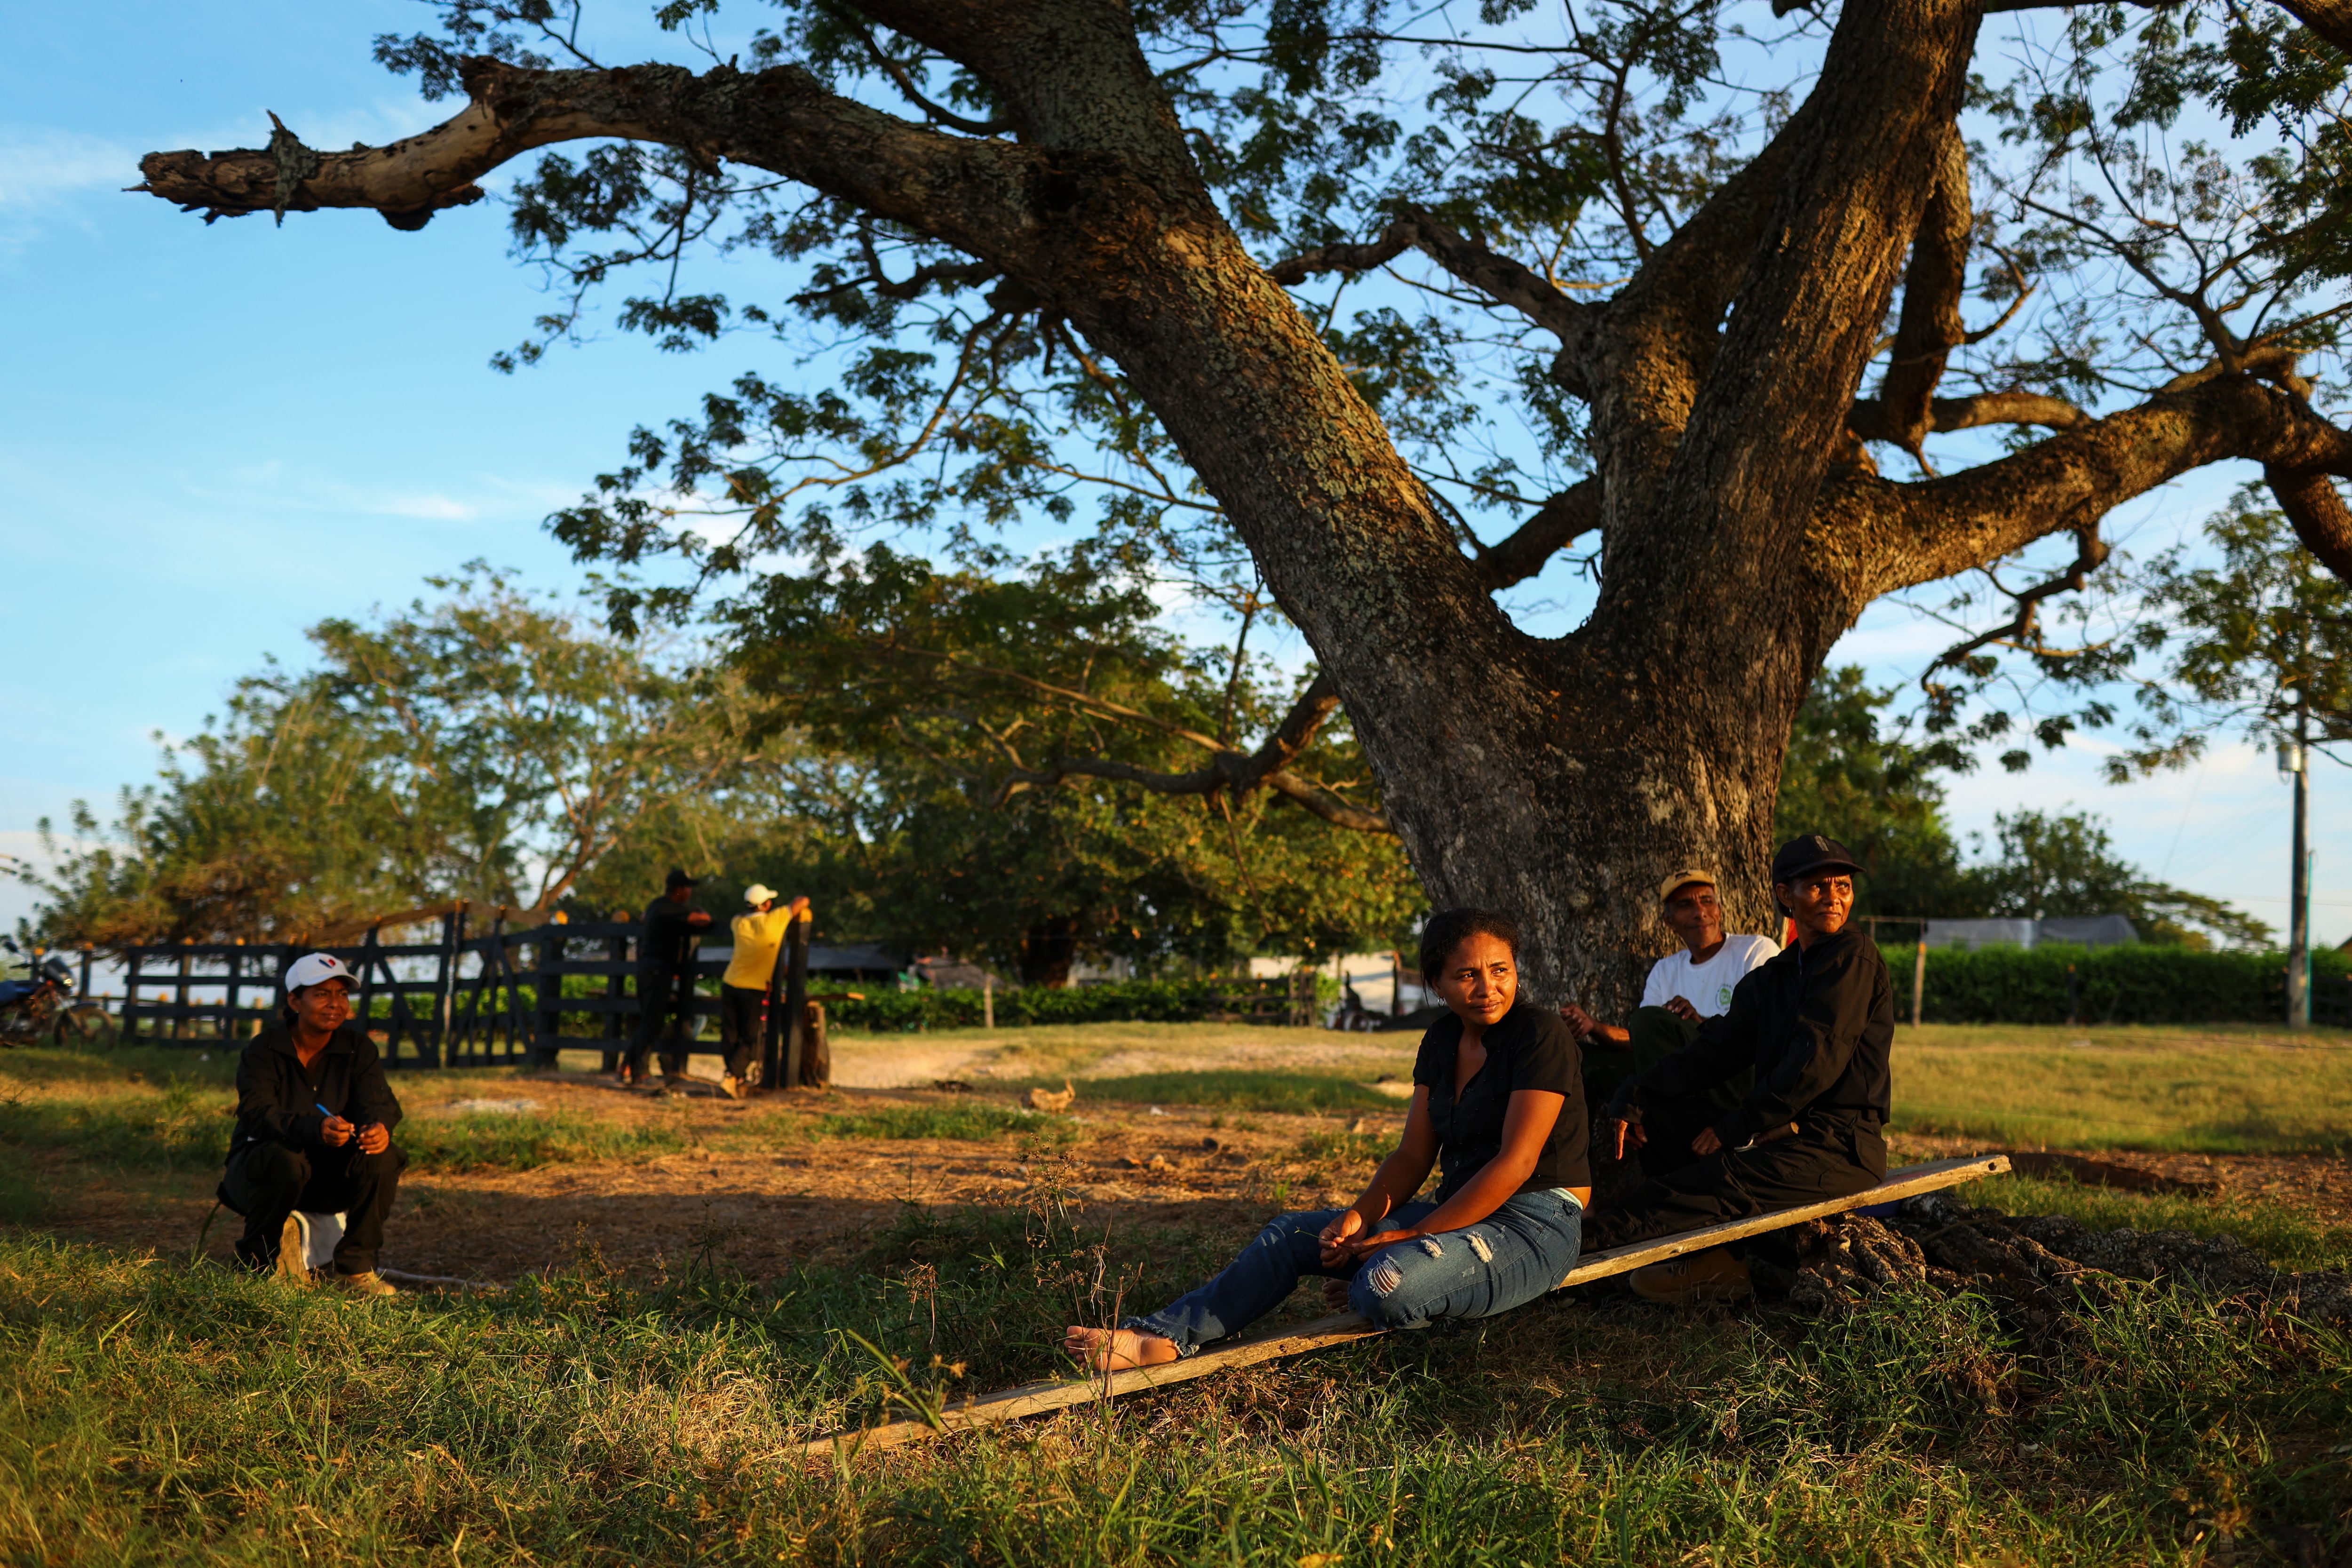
(460, 1000)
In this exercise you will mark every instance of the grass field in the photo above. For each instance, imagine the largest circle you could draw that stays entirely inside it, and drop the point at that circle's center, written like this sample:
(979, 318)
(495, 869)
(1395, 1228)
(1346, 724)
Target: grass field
(2234, 1090)
(151, 1412)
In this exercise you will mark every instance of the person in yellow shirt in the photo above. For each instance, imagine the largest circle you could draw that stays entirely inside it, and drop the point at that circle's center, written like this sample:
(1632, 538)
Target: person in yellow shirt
(743, 989)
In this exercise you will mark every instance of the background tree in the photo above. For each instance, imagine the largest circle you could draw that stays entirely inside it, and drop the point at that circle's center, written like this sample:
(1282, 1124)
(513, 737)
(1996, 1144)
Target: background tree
(1062, 238)
(485, 746)
(2244, 644)
(2058, 864)
(1874, 793)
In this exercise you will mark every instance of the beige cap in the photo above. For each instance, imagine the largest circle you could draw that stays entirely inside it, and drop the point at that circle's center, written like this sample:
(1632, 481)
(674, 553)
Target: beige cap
(757, 894)
(1677, 881)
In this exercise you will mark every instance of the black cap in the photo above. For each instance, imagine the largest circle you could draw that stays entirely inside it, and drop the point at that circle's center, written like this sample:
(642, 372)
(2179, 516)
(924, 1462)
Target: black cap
(677, 879)
(1803, 857)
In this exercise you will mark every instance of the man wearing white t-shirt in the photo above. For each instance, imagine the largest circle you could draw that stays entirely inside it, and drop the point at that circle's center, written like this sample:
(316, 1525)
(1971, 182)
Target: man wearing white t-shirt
(1683, 988)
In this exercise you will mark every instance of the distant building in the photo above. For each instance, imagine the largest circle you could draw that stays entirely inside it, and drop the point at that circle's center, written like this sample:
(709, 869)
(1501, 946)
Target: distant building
(952, 973)
(2076, 930)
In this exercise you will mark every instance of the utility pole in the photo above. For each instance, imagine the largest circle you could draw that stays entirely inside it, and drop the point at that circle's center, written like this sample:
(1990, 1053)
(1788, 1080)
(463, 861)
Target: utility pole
(2298, 916)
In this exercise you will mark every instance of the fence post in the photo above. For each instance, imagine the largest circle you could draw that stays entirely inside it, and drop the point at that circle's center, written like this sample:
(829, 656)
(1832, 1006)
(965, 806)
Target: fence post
(987, 1000)
(796, 998)
(368, 961)
(817, 1055)
(181, 1023)
(231, 986)
(1919, 983)
(616, 953)
(82, 991)
(444, 996)
(549, 1032)
(130, 992)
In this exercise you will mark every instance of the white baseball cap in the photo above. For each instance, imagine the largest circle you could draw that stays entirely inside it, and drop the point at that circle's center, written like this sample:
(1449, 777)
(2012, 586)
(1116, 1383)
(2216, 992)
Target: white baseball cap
(317, 969)
(757, 894)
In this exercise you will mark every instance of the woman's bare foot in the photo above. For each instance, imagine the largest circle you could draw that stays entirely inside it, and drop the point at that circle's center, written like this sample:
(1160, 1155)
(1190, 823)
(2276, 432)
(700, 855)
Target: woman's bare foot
(1115, 1349)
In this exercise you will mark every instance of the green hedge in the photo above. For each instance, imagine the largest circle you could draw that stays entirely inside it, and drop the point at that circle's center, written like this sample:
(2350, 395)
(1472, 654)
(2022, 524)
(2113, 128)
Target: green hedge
(2137, 985)
(1144, 1000)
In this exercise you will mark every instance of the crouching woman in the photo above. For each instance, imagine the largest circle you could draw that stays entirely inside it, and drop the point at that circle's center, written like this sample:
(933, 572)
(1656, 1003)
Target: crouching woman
(314, 1120)
(1498, 1107)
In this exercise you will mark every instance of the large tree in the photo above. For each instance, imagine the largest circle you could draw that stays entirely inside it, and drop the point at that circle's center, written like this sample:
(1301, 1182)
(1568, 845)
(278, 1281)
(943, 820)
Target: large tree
(1064, 226)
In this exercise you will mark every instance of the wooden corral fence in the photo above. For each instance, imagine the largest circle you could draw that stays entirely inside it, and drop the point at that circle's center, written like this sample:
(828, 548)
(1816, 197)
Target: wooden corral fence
(466, 997)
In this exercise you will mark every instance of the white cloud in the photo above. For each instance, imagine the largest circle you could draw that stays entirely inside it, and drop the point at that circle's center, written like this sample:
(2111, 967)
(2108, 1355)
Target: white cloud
(439, 507)
(39, 167)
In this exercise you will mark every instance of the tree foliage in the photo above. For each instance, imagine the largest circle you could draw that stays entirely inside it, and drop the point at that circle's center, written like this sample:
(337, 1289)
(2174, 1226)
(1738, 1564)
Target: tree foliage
(484, 745)
(1875, 793)
(2247, 642)
(2063, 863)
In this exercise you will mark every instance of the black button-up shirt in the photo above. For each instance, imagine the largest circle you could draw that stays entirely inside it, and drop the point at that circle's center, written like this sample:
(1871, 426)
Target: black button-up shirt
(1815, 1022)
(1528, 1047)
(278, 1101)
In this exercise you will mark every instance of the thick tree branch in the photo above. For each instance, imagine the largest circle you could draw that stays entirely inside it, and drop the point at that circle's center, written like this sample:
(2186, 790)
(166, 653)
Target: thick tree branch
(2316, 507)
(1500, 278)
(1871, 536)
(1523, 553)
(1868, 417)
(968, 192)
(1228, 771)
(1862, 156)
(1930, 327)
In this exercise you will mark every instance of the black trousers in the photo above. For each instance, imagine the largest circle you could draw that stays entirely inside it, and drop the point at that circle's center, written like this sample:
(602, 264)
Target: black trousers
(1656, 1035)
(743, 1020)
(662, 1000)
(267, 1181)
(1828, 1157)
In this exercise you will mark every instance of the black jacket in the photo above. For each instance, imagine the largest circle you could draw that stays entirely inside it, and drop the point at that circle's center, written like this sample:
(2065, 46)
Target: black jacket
(1815, 1022)
(667, 939)
(278, 1103)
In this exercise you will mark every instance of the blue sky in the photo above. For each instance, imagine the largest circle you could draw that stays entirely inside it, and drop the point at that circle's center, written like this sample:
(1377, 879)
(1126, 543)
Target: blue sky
(210, 437)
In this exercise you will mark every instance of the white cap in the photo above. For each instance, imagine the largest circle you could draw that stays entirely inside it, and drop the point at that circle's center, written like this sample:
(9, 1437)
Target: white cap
(317, 969)
(757, 894)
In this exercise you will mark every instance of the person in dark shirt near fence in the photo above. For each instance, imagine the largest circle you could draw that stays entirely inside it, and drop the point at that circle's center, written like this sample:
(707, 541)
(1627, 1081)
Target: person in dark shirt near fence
(314, 1120)
(1497, 1105)
(665, 979)
(1815, 1024)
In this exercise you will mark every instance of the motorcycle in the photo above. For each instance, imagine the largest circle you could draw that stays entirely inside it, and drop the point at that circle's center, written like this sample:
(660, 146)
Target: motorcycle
(33, 991)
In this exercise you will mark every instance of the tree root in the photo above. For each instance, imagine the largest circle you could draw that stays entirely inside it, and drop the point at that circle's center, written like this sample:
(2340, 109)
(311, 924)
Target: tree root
(2040, 1269)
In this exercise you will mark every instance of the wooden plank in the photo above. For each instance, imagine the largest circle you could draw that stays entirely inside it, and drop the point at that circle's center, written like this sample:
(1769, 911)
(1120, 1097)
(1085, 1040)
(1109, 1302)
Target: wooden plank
(1345, 1328)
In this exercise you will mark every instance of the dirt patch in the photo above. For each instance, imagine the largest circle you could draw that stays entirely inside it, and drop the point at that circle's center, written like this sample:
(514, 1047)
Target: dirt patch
(762, 1188)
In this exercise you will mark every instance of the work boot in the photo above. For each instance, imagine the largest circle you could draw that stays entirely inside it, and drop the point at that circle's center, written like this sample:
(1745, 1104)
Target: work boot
(734, 1087)
(368, 1284)
(1713, 1274)
(293, 1252)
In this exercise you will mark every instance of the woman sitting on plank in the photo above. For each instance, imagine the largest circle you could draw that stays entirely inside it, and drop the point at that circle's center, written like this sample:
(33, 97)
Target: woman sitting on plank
(1497, 1105)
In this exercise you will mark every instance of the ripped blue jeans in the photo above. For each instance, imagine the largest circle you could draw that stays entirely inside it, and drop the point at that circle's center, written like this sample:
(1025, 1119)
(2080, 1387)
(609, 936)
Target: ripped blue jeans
(1510, 1258)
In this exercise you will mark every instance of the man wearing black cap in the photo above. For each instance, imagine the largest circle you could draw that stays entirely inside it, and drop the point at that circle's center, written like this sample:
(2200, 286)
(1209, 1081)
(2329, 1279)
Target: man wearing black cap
(665, 977)
(1815, 1024)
